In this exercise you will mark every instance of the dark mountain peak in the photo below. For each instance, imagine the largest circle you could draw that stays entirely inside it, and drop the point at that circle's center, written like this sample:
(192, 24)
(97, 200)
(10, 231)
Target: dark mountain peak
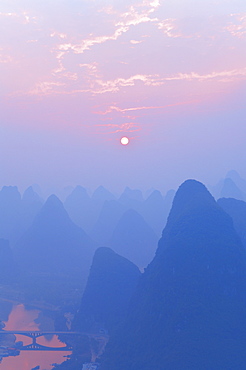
(195, 212)
(106, 256)
(110, 285)
(102, 194)
(200, 235)
(102, 252)
(191, 194)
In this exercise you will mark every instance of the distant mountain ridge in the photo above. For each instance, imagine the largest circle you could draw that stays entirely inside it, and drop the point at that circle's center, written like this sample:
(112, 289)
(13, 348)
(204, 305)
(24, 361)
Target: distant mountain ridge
(134, 239)
(54, 244)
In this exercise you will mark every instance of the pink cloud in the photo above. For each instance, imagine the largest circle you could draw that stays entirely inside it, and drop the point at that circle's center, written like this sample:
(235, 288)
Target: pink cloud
(133, 109)
(169, 28)
(127, 127)
(237, 26)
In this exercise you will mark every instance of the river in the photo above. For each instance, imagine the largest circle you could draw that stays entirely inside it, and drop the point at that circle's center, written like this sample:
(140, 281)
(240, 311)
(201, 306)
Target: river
(22, 319)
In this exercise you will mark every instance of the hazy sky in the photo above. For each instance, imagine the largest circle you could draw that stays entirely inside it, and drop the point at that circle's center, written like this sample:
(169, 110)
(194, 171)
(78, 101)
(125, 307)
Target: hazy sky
(76, 75)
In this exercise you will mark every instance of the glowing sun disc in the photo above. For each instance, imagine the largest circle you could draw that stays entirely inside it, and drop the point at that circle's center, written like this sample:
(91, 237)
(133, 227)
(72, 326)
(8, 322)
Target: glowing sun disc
(124, 140)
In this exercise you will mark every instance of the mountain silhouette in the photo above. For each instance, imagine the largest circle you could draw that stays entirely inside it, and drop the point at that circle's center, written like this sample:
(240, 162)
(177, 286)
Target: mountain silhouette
(77, 204)
(237, 179)
(237, 210)
(8, 268)
(134, 239)
(189, 308)
(10, 204)
(31, 204)
(154, 211)
(54, 244)
(101, 194)
(131, 198)
(111, 283)
(231, 190)
(109, 216)
(83, 209)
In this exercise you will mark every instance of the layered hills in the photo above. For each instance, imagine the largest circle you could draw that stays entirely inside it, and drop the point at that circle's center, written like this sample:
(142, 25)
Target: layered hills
(237, 210)
(134, 239)
(189, 308)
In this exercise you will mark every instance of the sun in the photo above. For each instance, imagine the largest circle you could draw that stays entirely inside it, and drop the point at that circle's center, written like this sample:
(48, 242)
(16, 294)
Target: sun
(124, 140)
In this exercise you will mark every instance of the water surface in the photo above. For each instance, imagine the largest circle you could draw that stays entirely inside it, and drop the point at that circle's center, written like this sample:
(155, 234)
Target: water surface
(22, 319)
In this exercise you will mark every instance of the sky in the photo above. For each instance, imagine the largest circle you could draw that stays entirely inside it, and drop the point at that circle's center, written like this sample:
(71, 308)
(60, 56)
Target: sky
(77, 75)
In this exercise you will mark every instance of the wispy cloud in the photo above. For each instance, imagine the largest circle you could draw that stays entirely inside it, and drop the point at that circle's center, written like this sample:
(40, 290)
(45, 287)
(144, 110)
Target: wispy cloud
(9, 14)
(92, 84)
(133, 17)
(219, 75)
(72, 63)
(59, 35)
(169, 28)
(157, 80)
(116, 113)
(4, 58)
(45, 88)
(237, 27)
(80, 48)
(115, 85)
(135, 42)
(114, 108)
(112, 128)
(23, 17)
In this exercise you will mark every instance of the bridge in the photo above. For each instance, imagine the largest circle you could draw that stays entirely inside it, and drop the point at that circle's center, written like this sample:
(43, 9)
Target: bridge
(34, 346)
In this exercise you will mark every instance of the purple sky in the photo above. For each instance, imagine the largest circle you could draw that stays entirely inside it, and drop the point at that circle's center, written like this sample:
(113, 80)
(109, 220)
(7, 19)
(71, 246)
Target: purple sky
(77, 75)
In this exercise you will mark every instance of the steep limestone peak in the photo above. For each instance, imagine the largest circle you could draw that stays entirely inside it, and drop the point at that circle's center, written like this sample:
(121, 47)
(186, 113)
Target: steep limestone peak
(191, 194)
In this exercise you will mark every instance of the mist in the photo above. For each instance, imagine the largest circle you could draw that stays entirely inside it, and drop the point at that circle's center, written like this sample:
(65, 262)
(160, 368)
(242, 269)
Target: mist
(122, 254)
